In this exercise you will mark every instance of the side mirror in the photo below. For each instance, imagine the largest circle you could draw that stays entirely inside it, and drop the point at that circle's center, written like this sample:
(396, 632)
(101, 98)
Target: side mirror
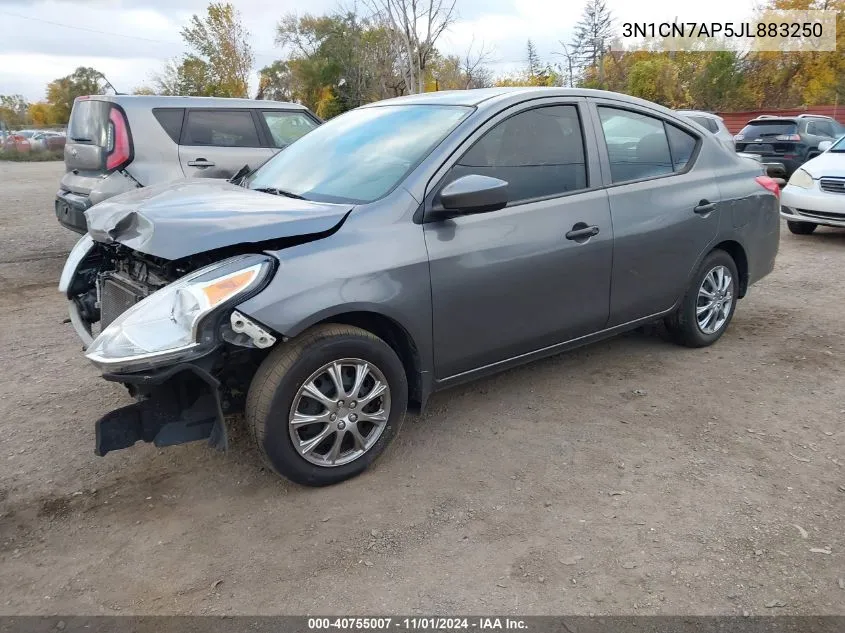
(825, 145)
(470, 194)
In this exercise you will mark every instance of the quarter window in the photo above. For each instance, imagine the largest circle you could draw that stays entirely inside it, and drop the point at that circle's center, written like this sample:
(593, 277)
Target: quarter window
(220, 128)
(539, 153)
(681, 145)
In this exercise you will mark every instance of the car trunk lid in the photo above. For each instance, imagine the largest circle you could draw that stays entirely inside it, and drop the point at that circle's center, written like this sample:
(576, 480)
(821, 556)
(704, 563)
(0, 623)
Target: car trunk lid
(772, 136)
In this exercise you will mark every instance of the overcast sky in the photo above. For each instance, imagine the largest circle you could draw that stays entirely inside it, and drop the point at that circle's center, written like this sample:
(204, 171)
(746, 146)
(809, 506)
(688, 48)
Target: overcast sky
(130, 40)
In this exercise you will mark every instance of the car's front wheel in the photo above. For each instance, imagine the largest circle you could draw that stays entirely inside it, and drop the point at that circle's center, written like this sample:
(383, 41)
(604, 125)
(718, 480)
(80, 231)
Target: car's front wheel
(801, 228)
(709, 303)
(323, 406)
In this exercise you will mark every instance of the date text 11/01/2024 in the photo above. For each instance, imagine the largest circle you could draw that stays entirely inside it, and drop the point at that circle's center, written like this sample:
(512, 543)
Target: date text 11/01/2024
(723, 29)
(416, 624)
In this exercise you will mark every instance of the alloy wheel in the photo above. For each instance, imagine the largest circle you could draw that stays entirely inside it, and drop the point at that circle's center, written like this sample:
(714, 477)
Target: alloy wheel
(339, 412)
(715, 298)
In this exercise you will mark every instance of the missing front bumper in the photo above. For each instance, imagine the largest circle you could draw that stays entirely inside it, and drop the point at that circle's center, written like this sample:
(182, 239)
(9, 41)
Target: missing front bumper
(177, 405)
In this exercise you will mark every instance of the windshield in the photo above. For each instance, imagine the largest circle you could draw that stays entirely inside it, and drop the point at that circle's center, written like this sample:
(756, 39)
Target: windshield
(359, 156)
(761, 129)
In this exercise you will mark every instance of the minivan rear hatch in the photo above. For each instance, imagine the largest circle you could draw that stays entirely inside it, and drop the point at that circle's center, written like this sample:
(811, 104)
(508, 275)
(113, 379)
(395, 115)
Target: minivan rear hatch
(770, 136)
(97, 137)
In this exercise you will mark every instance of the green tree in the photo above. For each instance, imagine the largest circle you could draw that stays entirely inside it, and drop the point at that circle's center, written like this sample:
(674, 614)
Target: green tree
(62, 92)
(191, 77)
(275, 82)
(14, 110)
(591, 42)
(220, 60)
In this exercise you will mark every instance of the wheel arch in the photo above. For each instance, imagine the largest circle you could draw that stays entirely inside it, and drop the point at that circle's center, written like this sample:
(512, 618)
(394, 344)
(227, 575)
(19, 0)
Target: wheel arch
(396, 336)
(737, 253)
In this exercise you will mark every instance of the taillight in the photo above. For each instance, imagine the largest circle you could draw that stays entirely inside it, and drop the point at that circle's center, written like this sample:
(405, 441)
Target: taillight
(768, 183)
(119, 145)
(788, 137)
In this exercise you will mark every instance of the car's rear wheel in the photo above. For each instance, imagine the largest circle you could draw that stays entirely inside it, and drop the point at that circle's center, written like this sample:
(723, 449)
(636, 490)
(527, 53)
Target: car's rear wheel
(709, 303)
(323, 406)
(801, 228)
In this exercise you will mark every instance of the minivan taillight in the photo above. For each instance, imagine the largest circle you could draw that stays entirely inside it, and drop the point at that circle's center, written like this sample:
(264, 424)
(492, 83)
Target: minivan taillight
(770, 184)
(119, 144)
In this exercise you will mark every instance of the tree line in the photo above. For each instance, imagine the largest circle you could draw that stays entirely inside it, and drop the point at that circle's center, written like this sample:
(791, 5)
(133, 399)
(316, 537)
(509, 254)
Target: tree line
(387, 48)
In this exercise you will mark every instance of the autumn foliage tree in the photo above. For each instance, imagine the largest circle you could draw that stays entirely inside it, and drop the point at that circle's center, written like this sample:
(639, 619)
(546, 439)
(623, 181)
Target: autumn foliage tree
(220, 60)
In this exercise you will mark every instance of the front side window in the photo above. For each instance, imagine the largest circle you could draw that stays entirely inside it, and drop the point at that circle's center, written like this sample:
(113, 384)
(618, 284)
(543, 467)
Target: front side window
(361, 155)
(539, 153)
(286, 127)
(637, 146)
(218, 128)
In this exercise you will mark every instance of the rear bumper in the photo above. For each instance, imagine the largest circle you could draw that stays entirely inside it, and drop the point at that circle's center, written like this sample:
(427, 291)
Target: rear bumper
(70, 211)
(176, 405)
(774, 162)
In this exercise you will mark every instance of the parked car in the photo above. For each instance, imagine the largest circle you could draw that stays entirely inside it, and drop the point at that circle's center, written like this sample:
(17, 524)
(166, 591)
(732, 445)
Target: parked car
(48, 140)
(117, 143)
(712, 123)
(791, 141)
(404, 247)
(815, 193)
(20, 141)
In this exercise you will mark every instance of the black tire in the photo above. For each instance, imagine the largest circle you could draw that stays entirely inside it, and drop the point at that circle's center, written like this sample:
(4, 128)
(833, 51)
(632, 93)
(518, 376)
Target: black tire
(801, 228)
(683, 324)
(282, 374)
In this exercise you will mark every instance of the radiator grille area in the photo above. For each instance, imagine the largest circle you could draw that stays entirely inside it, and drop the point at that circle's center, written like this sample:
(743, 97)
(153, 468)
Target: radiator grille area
(117, 295)
(833, 185)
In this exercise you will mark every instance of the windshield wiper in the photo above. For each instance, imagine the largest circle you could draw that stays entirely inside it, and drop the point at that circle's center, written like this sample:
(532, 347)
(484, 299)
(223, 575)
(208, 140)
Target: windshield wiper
(280, 192)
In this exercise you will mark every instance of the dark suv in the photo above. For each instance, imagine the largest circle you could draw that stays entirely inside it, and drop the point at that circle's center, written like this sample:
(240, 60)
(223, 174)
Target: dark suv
(790, 141)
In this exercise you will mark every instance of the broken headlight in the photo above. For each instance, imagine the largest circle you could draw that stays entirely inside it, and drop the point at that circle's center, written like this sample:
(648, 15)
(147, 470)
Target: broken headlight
(167, 325)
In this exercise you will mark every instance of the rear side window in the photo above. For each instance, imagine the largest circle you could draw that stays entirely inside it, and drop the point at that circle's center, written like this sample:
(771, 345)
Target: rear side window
(89, 121)
(820, 128)
(286, 127)
(171, 120)
(764, 129)
(539, 153)
(681, 145)
(220, 128)
(637, 146)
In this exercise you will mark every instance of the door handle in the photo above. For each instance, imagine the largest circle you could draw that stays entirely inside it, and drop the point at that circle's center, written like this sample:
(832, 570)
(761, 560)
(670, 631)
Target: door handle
(582, 232)
(200, 162)
(704, 207)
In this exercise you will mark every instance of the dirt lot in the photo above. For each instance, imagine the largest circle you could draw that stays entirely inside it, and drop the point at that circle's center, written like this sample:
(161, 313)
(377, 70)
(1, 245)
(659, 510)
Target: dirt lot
(632, 476)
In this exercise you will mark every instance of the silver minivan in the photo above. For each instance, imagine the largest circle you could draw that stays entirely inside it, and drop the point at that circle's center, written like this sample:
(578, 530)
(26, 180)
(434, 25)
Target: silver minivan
(116, 143)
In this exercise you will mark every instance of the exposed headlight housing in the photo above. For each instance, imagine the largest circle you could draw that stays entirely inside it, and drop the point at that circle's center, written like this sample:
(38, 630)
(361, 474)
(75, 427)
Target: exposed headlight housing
(801, 179)
(168, 326)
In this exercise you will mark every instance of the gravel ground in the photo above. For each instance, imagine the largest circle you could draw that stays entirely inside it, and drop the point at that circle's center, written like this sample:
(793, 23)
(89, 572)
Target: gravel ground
(631, 476)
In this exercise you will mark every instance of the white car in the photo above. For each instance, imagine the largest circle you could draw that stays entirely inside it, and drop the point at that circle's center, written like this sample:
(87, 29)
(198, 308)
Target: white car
(815, 193)
(714, 124)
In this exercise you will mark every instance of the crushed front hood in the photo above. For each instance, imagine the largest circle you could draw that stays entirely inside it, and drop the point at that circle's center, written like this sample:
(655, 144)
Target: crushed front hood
(186, 217)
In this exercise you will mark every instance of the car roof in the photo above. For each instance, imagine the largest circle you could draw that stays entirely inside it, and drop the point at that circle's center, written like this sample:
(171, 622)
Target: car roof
(709, 115)
(773, 119)
(489, 96)
(162, 101)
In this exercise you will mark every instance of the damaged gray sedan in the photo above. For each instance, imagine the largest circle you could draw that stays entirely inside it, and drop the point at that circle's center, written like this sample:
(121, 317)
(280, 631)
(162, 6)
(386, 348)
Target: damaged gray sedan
(402, 248)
